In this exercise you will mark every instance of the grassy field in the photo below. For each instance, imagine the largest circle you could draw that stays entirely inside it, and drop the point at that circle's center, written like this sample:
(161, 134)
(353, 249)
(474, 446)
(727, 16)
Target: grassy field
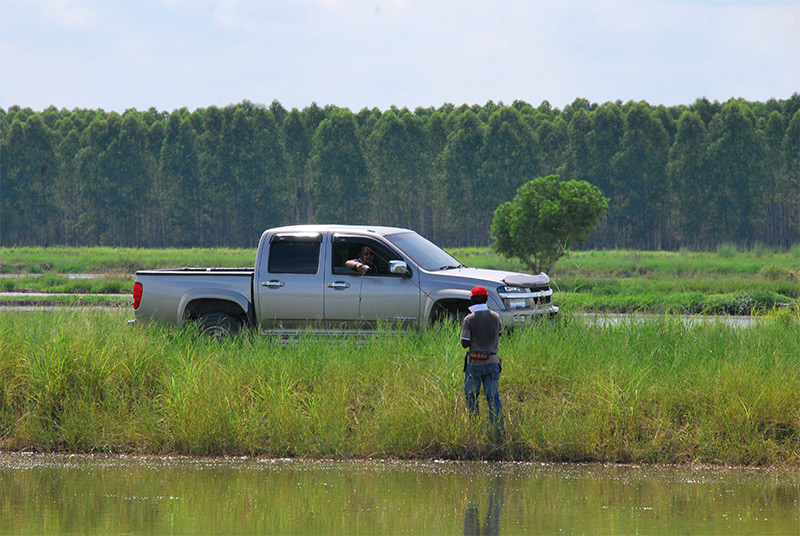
(46, 269)
(726, 281)
(63, 284)
(120, 261)
(619, 281)
(65, 300)
(650, 391)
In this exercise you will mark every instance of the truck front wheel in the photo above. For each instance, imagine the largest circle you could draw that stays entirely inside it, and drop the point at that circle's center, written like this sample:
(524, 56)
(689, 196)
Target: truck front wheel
(449, 311)
(218, 325)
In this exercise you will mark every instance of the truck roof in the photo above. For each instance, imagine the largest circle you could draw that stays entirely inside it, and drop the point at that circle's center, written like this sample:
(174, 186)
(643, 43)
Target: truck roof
(336, 228)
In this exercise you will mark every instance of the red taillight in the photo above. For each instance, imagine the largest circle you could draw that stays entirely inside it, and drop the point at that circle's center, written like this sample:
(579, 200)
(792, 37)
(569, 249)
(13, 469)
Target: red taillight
(137, 294)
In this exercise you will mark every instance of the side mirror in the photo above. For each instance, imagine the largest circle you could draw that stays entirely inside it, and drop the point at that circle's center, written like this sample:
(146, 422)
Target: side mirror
(398, 267)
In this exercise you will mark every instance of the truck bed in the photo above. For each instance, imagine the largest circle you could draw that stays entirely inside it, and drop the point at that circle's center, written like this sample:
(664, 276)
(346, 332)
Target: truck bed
(169, 294)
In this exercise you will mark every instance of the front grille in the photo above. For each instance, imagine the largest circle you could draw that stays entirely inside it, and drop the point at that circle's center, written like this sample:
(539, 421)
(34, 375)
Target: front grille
(531, 298)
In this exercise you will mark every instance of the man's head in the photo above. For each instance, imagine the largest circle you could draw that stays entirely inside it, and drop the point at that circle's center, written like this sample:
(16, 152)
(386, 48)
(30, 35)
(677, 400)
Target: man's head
(479, 295)
(367, 255)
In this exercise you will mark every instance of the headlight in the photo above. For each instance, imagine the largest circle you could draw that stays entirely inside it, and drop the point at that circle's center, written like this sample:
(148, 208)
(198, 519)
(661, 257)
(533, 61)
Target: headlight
(505, 290)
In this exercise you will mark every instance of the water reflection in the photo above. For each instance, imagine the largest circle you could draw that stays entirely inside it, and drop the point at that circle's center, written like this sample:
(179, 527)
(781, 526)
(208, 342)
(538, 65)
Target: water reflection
(142, 496)
(491, 523)
(617, 319)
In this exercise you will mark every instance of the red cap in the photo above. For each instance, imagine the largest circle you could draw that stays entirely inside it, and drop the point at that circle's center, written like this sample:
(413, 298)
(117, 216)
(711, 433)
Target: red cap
(478, 291)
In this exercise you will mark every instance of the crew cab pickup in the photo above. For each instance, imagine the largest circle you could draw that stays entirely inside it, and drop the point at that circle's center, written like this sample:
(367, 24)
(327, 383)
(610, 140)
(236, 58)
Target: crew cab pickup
(300, 281)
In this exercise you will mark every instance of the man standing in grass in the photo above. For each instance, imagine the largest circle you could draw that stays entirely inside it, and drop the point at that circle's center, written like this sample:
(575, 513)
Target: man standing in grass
(480, 333)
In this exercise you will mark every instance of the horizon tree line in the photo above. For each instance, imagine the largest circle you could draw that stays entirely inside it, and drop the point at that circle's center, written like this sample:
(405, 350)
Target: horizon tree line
(690, 176)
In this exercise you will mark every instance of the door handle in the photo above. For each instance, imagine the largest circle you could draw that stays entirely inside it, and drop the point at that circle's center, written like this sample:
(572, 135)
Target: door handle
(339, 285)
(273, 283)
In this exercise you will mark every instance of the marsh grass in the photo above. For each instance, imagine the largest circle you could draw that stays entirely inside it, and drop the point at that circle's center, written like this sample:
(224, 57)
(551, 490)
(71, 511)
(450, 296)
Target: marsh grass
(640, 392)
(102, 260)
(727, 281)
(66, 300)
(636, 263)
(48, 267)
(742, 283)
(57, 284)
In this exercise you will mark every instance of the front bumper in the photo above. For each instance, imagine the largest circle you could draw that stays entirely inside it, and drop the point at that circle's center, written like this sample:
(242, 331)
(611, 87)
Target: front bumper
(521, 317)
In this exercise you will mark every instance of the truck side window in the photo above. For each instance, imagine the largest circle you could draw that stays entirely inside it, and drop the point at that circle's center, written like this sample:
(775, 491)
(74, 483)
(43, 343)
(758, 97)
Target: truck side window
(288, 257)
(345, 249)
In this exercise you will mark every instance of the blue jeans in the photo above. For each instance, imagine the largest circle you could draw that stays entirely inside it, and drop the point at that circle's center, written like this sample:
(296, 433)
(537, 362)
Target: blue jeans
(489, 377)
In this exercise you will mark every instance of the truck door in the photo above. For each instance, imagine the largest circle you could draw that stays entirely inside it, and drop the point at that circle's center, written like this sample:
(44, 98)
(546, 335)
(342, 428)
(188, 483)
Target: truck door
(353, 300)
(289, 283)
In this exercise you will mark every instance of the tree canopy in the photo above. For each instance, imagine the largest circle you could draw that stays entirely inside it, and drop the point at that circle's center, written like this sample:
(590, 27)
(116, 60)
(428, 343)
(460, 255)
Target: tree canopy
(545, 217)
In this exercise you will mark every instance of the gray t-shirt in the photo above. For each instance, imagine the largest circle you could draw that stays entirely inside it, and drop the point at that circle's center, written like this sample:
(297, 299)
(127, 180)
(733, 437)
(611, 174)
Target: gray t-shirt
(482, 329)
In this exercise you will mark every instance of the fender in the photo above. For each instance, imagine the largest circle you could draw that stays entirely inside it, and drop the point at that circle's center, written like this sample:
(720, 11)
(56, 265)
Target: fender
(450, 294)
(442, 294)
(213, 294)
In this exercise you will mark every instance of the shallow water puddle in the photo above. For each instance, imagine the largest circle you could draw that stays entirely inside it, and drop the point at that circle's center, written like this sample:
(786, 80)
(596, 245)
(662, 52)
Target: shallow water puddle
(63, 494)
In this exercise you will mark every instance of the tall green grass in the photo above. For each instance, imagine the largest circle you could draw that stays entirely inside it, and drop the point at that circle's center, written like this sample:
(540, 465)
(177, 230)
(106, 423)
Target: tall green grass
(649, 391)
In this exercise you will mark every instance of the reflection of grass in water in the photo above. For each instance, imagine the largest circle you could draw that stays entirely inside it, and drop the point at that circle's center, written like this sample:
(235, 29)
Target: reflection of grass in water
(650, 391)
(107, 495)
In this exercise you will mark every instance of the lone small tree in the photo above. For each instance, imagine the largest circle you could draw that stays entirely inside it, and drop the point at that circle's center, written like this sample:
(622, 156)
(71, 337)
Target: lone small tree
(545, 216)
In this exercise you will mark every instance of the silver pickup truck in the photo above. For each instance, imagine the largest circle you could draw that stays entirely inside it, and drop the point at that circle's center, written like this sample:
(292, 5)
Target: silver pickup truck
(301, 280)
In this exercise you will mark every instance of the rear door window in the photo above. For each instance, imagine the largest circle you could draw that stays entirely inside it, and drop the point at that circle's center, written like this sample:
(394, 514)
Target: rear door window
(298, 254)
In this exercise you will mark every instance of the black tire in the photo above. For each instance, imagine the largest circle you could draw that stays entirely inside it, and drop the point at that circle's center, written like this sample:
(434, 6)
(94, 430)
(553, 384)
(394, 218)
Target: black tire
(218, 325)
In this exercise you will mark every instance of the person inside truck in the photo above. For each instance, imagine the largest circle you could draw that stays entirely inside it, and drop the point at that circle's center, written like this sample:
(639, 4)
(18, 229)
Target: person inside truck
(365, 262)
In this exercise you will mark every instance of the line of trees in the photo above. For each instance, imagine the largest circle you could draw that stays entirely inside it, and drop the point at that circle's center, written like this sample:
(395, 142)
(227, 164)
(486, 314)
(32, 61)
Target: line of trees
(690, 176)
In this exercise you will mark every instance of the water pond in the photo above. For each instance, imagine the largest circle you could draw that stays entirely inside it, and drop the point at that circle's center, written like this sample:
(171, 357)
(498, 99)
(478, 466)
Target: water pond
(116, 495)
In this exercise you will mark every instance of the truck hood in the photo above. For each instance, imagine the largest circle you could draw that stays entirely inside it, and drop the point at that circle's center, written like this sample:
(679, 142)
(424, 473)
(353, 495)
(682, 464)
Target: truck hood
(512, 279)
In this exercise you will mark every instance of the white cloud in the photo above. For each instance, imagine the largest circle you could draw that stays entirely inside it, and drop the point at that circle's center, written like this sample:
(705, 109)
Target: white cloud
(173, 53)
(72, 14)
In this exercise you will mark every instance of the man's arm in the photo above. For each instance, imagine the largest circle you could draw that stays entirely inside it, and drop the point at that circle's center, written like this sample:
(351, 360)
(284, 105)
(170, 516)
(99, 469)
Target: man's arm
(466, 333)
(357, 265)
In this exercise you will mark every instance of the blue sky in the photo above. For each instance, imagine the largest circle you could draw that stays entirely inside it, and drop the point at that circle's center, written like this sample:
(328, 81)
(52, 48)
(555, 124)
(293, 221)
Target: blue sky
(169, 54)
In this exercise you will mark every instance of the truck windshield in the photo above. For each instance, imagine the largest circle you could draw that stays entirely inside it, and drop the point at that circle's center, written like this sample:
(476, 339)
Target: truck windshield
(428, 255)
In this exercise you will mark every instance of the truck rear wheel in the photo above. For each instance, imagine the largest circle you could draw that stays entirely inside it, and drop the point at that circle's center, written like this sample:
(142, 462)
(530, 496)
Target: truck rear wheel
(218, 325)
